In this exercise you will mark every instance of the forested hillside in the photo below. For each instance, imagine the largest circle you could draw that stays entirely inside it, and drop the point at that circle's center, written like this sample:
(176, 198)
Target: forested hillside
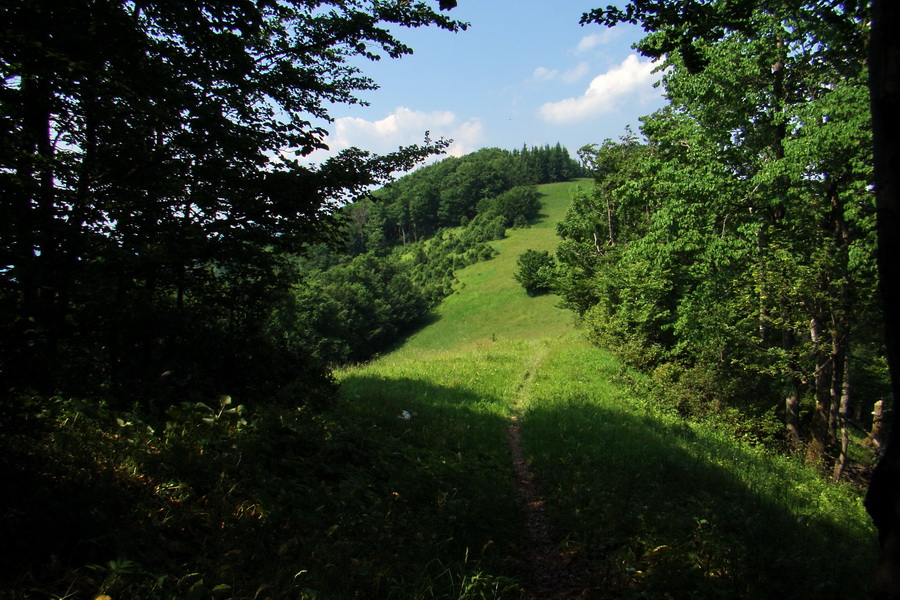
(729, 249)
(397, 251)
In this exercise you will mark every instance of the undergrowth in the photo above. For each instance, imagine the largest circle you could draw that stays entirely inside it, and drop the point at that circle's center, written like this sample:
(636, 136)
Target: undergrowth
(225, 501)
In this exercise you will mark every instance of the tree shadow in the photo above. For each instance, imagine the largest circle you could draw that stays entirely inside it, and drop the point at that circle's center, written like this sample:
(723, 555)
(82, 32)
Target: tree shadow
(363, 500)
(449, 466)
(426, 321)
(654, 510)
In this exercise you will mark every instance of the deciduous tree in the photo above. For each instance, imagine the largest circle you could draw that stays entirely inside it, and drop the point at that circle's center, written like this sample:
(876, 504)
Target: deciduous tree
(148, 154)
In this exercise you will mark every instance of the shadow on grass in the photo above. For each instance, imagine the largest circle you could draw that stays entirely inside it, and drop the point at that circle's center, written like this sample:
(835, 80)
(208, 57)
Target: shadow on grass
(441, 453)
(354, 502)
(405, 490)
(538, 217)
(653, 510)
(427, 321)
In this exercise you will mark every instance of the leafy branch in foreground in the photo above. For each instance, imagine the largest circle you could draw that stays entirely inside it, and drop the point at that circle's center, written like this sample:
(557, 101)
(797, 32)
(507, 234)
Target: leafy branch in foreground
(150, 182)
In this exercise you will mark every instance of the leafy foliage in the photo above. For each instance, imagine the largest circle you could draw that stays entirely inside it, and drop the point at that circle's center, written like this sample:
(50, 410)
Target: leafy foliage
(536, 271)
(150, 185)
(351, 311)
(724, 251)
(453, 191)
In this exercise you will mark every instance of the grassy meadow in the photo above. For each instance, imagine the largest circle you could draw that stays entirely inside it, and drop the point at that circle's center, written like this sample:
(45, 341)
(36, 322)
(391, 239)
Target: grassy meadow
(645, 505)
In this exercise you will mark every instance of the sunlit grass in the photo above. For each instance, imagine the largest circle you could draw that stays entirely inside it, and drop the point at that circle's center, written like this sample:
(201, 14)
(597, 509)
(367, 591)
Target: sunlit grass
(489, 303)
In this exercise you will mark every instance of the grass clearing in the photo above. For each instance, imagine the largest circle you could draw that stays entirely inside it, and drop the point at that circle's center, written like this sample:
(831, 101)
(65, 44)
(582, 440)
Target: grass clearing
(443, 415)
(647, 505)
(489, 303)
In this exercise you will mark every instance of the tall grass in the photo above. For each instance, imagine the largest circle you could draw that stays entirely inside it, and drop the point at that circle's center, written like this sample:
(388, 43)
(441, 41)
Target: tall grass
(444, 416)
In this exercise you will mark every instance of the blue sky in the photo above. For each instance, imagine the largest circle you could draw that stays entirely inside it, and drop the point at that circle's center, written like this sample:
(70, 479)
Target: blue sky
(525, 72)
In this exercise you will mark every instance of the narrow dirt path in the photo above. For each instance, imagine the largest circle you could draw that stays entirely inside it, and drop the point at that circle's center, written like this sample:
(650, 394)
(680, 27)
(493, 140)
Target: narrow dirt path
(551, 575)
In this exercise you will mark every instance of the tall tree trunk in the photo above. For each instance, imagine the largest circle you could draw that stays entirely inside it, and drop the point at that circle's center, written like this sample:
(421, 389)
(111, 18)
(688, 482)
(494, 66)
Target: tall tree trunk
(609, 221)
(821, 440)
(779, 119)
(33, 232)
(844, 416)
(792, 400)
(762, 293)
(792, 414)
(883, 497)
(838, 372)
(840, 306)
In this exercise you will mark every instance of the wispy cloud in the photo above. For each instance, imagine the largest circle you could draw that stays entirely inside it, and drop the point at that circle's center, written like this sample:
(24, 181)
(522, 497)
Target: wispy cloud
(575, 73)
(589, 42)
(543, 74)
(605, 92)
(402, 127)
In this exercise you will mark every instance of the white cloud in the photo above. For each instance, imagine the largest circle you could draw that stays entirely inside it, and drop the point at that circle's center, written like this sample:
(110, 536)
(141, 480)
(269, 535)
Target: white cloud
(467, 137)
(605, 92)
(402, 127)
(589, 42)
(576, 73)
(542, 74)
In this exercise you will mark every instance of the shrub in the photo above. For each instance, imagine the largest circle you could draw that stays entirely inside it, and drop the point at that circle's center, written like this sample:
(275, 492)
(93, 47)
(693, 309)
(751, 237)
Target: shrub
(537, 271)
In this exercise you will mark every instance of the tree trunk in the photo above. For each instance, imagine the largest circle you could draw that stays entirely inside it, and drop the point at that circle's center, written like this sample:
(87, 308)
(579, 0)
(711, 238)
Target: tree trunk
(821, 440)
(33, 236)
(877, 432)
(844, 415)
(762, 293)
(609, 221)
(838, 373)
(883, 497)
(792, 401)
(840, 308)
(792, 414)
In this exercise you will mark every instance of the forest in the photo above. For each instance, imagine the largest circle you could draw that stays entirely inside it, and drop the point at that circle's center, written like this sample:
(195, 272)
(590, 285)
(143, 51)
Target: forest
(731, 248)
(182, 302)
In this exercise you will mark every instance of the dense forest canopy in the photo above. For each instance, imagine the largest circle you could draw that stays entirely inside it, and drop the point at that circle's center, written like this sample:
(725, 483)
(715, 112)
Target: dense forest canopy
(453, 191)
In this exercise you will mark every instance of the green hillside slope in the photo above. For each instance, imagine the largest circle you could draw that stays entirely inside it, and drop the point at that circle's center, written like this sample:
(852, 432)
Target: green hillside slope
(490, 304)
(641, 504)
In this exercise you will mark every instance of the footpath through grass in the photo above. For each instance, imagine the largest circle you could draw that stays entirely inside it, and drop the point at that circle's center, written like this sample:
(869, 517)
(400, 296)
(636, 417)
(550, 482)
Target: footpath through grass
(645, 505)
